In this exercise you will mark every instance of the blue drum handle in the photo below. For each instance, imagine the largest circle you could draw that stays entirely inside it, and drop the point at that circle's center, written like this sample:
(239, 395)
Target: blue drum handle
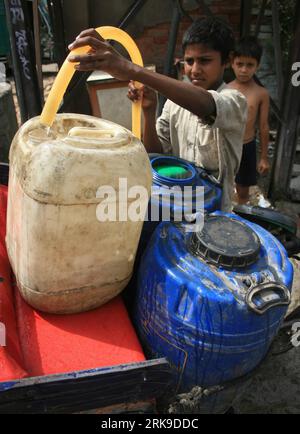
(267, 295)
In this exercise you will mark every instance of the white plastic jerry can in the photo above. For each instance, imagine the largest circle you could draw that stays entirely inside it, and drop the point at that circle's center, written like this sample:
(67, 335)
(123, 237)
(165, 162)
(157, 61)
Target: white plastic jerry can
(72, 230)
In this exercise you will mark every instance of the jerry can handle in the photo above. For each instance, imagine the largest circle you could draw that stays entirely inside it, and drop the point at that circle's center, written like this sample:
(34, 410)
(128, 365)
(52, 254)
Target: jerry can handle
(266, 296)
(67, 71)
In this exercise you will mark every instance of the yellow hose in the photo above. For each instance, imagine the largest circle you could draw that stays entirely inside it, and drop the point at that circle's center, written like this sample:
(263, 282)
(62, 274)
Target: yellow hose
(67, 70)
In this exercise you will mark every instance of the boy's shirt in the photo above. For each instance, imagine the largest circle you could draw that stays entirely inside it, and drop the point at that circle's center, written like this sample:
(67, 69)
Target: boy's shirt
(216, 144)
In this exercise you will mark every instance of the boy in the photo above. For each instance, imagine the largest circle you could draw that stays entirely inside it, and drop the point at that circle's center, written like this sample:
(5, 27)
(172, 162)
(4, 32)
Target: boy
(245, 63)
(202, 121)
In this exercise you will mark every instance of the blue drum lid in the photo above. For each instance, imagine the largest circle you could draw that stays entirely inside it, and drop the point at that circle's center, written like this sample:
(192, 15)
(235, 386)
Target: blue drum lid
(171, 170)
(226, 242)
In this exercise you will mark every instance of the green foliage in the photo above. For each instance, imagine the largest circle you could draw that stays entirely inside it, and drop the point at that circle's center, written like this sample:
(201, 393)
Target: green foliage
(287, 10)
(286, 17)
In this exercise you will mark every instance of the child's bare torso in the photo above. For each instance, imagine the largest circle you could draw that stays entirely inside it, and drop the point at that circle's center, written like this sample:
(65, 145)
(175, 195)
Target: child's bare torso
(254, 94)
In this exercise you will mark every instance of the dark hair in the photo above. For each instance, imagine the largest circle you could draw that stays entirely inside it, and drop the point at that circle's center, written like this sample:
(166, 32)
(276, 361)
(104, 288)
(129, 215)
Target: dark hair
(212, 32)
(249, 47)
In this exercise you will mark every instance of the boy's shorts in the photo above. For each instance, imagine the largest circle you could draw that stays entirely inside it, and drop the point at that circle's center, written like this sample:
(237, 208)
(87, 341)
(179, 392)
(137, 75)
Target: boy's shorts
(247, 174)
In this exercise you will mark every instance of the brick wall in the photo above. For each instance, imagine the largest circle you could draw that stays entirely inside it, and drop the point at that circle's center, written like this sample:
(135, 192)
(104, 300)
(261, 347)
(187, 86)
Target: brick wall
(153, 40)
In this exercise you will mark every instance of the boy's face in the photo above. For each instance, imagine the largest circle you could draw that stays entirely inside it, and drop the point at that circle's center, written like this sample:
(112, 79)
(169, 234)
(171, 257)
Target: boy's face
(244, 68)
(203, 66)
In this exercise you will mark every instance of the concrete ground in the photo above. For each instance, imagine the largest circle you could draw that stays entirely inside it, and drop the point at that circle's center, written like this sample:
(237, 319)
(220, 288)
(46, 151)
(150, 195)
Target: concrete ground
(276, 386)
(275, 389)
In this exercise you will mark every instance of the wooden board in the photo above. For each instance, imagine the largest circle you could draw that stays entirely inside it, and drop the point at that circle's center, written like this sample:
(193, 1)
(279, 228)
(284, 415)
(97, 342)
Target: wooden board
(83, 391)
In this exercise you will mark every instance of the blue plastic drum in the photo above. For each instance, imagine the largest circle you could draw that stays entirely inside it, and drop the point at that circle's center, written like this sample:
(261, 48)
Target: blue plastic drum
(180, 190)
(213, 301)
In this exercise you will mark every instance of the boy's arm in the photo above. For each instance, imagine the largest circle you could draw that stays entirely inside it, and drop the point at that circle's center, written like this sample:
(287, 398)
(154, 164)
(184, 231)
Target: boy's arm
(103, 57)
(149, 103)
(264, 166)
(150, 139)
(194, 99)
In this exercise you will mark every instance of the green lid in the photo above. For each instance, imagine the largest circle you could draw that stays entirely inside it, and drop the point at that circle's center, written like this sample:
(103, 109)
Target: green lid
(172, 171)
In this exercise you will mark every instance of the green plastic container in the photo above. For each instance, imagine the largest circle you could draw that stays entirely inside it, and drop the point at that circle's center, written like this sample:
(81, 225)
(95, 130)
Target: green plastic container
(4, 36)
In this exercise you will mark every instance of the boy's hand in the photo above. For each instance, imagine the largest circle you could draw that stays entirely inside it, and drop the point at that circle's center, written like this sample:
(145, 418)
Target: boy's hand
(148, 96)
(101, 56)
(263, 166)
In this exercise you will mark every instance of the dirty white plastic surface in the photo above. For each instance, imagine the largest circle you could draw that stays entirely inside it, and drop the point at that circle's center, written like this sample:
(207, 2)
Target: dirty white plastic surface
(64, 258)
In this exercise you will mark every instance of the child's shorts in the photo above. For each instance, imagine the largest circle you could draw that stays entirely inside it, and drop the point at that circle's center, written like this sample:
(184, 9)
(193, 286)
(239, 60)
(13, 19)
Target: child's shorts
(247, 174)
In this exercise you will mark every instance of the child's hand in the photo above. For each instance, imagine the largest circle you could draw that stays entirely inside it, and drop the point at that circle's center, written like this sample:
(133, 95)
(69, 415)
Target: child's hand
(148, 96)
(101, 56)
(263, 166)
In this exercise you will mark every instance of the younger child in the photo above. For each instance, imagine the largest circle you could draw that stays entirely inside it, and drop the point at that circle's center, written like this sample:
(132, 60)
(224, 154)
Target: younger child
(202, 121)
(245, 63)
